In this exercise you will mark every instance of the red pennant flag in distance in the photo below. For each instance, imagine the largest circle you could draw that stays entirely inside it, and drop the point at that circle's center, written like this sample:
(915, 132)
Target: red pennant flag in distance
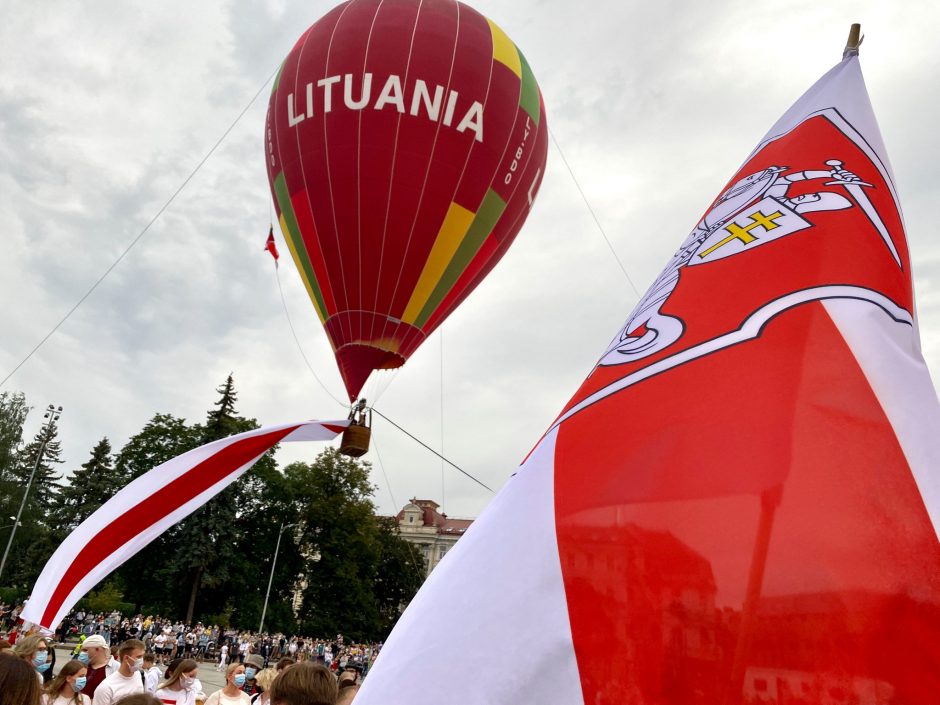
(739, 505)
(271, 246)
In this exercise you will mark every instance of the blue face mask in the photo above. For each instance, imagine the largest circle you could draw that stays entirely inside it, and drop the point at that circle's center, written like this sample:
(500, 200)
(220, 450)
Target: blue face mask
(43, 667)
(239, 680)
(83, 657)
(40, 658)
(79, 684)
(250, 673)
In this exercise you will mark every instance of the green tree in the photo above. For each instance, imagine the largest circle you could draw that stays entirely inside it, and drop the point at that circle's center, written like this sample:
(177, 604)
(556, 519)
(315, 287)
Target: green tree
(400, 573)
(360, 573)
(34, 542)
(89, 487)
(47, 450)
(13, 411)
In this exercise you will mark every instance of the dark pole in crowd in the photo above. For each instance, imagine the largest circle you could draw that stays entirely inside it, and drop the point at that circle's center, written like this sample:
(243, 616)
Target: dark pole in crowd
(277, 548)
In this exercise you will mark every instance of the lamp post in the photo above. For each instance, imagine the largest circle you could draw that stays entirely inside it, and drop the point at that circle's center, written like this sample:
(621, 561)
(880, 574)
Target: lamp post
(51, 416)
(277, 548)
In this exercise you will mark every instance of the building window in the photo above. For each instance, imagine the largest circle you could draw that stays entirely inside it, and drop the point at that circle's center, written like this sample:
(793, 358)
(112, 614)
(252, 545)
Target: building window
(411, 519)
(443, 551)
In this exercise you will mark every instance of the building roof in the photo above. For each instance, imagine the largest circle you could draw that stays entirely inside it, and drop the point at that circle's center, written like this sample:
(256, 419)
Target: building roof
(432, 517)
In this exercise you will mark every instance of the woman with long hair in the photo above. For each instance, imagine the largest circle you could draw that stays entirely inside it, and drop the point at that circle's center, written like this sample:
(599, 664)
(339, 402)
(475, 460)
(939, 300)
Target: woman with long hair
(232, 693)
(181, 686)
(18, 682)
(66, 687)
(35, 651)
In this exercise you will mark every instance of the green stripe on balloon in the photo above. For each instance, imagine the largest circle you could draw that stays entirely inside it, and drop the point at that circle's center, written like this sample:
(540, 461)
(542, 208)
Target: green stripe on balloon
(303, 259)
(529, 97)
(277, 79)
(483, 223)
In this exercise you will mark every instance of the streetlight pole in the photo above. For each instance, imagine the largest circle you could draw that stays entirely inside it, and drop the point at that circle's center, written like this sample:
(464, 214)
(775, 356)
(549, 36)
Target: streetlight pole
(277, 548)
(51, 416)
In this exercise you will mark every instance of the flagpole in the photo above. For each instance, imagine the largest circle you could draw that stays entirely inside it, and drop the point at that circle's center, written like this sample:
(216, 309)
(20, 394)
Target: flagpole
(854, 41)
(769, 501)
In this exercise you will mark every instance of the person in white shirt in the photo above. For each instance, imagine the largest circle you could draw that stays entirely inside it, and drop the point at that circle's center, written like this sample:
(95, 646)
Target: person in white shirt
(126, 680)
(151, 673)
(159, 642)
(66, 687)
(232, 693)
(182, 687)
(224, 657)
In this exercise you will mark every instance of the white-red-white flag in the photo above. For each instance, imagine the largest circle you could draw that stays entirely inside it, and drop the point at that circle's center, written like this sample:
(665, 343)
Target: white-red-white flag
(740, 503)
(148, 506)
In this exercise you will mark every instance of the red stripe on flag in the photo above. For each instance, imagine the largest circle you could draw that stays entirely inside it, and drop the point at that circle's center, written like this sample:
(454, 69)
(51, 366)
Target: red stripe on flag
(152, 509)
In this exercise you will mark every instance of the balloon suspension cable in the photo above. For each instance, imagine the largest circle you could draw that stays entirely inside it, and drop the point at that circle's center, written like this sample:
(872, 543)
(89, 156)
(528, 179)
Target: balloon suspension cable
(143, 232)
(300, 348)
(854, 42)
(597, 221)
(388, 485)
(420, 442)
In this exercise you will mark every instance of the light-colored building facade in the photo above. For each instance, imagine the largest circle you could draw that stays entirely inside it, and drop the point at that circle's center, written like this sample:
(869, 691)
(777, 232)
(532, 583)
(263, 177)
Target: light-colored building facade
(432, 531)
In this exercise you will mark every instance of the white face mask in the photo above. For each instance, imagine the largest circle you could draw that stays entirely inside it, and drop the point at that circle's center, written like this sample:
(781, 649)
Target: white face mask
(137, 665)
(187, 682)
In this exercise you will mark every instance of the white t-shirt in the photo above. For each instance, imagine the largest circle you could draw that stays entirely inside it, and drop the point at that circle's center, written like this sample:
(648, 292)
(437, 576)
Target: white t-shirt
(151, 678)
(63, 700)
(176, 697)
(116, 686)
(220, 698)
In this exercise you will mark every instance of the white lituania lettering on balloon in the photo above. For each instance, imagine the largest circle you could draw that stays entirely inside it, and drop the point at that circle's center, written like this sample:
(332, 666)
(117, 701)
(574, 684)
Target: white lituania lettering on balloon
(392, 95)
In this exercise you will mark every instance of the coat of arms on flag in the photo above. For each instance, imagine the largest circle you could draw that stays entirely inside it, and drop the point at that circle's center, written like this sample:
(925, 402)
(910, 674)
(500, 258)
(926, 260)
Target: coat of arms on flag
(816, 193)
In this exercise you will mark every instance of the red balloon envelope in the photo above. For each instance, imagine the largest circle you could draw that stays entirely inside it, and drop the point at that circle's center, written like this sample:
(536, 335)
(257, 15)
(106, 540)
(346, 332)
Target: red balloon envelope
(405, 143)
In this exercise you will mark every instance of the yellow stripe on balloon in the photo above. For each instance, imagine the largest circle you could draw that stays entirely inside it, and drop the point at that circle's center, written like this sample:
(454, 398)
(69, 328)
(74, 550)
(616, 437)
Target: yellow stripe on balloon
(297, 262)
(504, 51)
(449, 237)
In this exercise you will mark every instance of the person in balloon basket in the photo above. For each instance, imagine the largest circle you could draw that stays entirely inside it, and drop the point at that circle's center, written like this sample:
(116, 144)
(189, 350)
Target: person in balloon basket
(126, 680)
(253, 664)
(96, 656)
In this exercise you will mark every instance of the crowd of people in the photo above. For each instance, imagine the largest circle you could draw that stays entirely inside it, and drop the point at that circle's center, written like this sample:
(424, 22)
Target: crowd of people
(147, 660)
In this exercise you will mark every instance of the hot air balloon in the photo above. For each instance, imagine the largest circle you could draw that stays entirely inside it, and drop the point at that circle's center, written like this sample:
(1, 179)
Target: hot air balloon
(405, 144)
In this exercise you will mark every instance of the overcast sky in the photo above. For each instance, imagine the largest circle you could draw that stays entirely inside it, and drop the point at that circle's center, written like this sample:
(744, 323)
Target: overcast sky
(106, 108)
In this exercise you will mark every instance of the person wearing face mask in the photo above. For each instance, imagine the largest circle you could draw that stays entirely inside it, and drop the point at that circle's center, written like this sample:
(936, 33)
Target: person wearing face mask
(34, 650)
(253, 664)
(126, 680)
(96, 656)
(232, 693)
(182, 687)
(66, 688)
